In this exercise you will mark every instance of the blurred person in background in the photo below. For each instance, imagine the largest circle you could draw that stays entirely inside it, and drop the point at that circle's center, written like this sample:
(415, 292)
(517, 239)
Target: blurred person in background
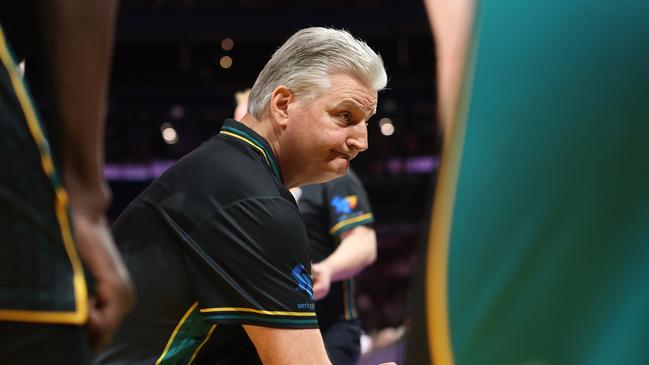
(63, 286)
(342, 242)
(538, 245)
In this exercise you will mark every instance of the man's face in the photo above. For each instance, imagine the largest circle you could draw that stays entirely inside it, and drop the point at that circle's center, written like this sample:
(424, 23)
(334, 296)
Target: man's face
(324, 133)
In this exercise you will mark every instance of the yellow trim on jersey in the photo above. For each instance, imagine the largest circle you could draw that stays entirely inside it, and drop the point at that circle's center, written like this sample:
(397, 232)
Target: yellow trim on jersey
(437, 313)
(209, 334)
(80, 314)
(341, 224)
(248, 142)
(271, 313)
(349, 288)
(40, 316)
(79, 280)
(175, 332)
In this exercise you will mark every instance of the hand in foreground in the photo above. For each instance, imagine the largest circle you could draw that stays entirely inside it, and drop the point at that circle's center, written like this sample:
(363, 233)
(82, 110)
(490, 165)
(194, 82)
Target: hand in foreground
(113, 296)
(321, 280)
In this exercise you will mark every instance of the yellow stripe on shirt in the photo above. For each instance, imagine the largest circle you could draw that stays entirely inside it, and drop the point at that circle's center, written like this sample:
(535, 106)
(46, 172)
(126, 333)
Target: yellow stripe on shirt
(341, 224)
(258, 311)
(250, 143)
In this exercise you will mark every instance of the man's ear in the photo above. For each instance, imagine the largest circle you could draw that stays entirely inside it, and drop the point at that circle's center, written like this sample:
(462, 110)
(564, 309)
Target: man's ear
(279, 100)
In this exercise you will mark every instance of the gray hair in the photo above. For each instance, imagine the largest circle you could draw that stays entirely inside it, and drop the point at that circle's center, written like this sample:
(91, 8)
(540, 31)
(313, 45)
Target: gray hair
(307, 59)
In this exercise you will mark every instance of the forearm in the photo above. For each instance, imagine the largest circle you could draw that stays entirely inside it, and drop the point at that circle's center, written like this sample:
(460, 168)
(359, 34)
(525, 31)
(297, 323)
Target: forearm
(451, 25)
(78, 35)
(288, 346)
(356, 251)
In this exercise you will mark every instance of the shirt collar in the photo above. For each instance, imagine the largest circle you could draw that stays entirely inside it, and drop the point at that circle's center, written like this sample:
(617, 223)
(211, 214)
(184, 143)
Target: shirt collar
(240, 131)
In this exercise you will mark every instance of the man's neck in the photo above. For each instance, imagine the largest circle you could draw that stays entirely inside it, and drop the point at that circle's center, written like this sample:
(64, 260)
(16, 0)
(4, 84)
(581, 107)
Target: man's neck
(265, 128)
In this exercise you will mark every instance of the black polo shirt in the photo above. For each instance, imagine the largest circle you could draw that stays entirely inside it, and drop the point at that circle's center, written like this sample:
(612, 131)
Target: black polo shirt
(328, 210)
(214, 243)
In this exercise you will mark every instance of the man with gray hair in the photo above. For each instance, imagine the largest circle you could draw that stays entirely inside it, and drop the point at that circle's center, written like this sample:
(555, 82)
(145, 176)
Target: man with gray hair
(216, 246)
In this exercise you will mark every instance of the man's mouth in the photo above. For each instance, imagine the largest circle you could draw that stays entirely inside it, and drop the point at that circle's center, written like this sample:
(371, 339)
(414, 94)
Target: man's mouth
(344, 155)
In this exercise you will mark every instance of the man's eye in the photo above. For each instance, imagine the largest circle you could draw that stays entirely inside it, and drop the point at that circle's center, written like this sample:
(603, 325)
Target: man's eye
(346, 116)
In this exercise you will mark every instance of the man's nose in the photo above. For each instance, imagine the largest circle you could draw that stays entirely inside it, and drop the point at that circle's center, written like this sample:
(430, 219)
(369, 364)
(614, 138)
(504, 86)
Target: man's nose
(358, 137)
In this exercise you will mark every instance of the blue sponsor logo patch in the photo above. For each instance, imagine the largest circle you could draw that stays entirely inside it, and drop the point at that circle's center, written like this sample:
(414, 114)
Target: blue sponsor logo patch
(344, 205)
(303, 280)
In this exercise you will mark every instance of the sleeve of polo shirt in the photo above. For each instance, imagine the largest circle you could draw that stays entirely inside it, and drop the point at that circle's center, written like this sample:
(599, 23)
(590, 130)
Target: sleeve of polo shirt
(251, 266)
(348, 204)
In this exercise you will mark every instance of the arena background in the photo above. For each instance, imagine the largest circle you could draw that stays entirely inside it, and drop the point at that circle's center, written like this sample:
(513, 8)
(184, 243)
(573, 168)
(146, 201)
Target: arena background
(178, 63)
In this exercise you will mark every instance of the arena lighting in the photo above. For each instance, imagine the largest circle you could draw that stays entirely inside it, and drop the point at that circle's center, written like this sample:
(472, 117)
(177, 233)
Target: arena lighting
(169, 134)
(386, 126)
(136, 171)
(165, 125)
(149, 171)
(226, 62)
(177, 112)
(227, 44)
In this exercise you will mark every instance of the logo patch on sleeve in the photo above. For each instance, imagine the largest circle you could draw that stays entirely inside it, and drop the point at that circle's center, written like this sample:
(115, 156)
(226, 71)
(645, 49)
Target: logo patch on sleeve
(344, 205)
(303, 280)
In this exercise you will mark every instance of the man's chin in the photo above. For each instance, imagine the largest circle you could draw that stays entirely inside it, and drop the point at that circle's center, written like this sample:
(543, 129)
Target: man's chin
(333, 172)
(339, 171)
(342, 165)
